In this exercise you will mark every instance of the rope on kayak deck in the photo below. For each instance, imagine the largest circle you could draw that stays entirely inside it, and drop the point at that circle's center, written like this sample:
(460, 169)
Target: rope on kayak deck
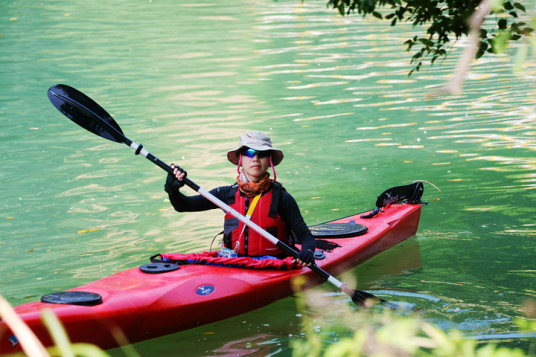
(431, 184)
(326, 245)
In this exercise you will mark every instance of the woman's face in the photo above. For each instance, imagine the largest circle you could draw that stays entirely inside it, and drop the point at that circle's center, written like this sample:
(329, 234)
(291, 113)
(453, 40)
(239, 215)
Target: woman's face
(255, 168)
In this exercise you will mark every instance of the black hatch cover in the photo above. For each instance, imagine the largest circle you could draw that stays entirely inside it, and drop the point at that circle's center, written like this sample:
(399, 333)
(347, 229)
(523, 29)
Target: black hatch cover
(338, 230)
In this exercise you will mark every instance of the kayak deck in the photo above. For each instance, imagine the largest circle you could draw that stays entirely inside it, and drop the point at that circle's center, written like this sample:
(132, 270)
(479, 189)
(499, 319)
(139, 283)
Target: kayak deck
(145, 306)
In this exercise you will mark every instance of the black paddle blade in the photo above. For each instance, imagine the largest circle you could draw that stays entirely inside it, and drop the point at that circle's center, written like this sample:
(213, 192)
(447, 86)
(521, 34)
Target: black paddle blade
(362, 298)
(81, 109)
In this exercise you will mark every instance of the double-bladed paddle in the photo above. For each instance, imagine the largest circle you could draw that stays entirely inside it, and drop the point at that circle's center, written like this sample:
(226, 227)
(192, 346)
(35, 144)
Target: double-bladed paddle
(81, 109)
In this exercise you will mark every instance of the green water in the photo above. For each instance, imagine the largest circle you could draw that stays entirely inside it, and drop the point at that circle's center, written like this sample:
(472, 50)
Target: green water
(187, 78)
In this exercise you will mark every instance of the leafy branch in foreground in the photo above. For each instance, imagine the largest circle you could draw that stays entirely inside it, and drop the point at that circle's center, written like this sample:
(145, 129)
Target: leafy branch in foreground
(63, 347)
(368, 332)
(447, 22)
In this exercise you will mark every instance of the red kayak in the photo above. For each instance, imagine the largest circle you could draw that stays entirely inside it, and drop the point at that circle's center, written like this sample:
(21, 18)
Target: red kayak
(145, 306)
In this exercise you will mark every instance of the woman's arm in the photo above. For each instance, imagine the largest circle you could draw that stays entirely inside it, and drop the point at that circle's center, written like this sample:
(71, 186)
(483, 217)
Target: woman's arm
(183, 203)
(289, 211)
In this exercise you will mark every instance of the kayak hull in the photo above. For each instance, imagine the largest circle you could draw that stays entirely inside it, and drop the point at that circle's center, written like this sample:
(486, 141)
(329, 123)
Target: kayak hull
(138, 306)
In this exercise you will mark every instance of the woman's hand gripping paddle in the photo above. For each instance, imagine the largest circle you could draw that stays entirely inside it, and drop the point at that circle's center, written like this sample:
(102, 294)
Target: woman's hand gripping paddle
(81, 109)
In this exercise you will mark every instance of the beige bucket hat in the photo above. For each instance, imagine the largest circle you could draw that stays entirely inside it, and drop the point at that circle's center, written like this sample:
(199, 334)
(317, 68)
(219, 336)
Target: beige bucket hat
(256, 140)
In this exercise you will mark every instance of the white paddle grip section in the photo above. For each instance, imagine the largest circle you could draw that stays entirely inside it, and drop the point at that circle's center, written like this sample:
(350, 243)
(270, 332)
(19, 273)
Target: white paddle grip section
(335, 282)
(142, 151)
(237, 215)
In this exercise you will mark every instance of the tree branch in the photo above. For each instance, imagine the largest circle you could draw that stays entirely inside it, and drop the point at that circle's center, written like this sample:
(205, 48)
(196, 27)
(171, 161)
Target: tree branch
(455, 84)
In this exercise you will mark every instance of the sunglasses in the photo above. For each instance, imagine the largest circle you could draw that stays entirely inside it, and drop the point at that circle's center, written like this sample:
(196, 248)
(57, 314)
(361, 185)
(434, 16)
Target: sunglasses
(252, 152)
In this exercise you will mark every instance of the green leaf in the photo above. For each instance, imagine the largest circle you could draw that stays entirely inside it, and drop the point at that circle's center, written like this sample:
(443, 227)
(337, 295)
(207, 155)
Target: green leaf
(377, 14)
(58, 333)
(508, 6)
(344, 347)
(520, 6)
(482, 47)
(515, 28)
(522, 323)
(426, 41)
(513, 13)
(341, 8)
(500, 41)
(496, 5)
(503, 24)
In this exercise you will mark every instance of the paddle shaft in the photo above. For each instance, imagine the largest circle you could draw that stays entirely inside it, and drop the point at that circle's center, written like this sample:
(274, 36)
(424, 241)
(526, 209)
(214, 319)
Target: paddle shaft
(138, 148)
(86, 113)
(227, 209)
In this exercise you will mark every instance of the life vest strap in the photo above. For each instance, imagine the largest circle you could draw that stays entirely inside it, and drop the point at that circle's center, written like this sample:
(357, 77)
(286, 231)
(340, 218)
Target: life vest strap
(276, 188)
(231, 194)
(252, 206)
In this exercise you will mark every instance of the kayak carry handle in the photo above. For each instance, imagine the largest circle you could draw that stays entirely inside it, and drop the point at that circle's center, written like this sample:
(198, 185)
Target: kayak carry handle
(412, 193)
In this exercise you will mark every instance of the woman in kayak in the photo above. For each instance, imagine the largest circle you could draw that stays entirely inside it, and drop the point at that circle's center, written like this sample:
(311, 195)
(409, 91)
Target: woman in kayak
(254, 195)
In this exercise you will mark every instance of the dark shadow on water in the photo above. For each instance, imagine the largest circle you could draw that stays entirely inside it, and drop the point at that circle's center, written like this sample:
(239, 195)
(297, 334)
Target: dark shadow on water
(260, 333)
(401, 259)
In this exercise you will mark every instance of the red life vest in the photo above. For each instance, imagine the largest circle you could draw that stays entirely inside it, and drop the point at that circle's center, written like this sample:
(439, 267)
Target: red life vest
(250, 243)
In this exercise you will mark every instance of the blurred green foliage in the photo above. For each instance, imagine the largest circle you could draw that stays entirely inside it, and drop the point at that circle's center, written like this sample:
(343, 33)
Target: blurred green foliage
(446, 22)
(382, 332)
(62, 345)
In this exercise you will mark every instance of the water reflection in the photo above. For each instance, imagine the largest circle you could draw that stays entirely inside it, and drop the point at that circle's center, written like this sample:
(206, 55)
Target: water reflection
(252, 334)
(332, 91)
(261, 345)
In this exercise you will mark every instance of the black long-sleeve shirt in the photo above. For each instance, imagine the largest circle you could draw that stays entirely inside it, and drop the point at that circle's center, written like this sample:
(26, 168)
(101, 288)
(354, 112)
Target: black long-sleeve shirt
(287, 208)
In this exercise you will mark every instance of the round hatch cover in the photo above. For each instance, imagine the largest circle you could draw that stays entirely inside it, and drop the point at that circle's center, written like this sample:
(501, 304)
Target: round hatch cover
(157, 268)
(73, 298)
(319, 254)
(338, 230)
